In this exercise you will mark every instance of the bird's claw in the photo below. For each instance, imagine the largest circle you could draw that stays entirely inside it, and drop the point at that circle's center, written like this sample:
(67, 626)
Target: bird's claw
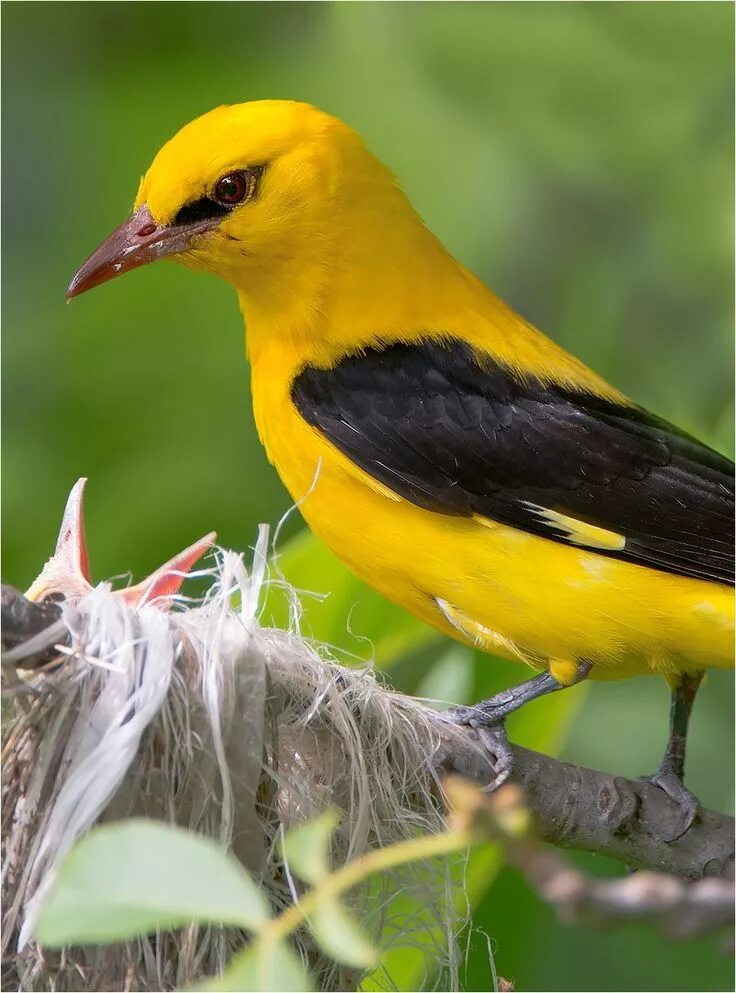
(492, 735)
(489, 713)
(670, 783)
(496, 743)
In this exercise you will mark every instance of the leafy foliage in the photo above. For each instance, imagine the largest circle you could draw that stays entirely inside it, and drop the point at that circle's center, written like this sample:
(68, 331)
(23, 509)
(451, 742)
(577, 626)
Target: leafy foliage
(163, 877)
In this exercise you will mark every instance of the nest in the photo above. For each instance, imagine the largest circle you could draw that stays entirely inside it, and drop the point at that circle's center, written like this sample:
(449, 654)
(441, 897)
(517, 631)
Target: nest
(201, 717)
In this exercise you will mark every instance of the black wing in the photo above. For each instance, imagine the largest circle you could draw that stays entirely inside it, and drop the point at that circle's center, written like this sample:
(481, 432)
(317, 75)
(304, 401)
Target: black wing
(458, 434)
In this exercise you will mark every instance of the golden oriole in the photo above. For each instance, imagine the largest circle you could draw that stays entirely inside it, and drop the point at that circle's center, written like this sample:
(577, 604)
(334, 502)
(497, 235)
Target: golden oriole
(452, 456)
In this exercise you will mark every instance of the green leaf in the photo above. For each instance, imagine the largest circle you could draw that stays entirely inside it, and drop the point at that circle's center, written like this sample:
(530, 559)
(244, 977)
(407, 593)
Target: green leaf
(345, 613)
(306, 847)
(268, 967)
(339, 935)
(136, 876)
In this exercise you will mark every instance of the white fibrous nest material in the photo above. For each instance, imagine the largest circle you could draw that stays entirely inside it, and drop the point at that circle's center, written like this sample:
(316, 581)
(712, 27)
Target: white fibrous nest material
(200, 716)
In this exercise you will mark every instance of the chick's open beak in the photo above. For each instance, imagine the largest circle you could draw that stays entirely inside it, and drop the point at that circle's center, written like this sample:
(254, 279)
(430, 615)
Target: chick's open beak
(137, 241)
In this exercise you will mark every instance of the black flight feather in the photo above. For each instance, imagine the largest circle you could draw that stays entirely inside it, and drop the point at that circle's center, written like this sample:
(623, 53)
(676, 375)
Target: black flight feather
(460, 434)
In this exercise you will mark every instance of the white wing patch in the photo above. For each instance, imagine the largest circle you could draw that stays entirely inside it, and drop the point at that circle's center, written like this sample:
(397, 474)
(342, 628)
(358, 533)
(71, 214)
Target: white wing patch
(579, 532)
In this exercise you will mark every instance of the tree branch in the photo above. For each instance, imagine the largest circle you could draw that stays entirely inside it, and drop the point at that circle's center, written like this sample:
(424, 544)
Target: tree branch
(573, 807)
(600, 812)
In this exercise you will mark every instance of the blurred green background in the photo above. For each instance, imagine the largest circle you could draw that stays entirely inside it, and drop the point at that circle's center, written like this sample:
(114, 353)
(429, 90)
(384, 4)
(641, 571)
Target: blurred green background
(577, 156)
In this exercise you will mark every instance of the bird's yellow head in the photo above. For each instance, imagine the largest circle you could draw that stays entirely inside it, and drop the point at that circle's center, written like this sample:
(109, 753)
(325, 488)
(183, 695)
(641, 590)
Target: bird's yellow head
(250, 192)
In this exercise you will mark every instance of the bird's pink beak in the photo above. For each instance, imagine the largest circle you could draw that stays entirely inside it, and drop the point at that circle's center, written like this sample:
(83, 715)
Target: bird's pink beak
(136, 242)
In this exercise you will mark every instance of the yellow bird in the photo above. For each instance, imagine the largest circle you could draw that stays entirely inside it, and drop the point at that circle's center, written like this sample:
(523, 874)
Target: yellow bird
(451, 455)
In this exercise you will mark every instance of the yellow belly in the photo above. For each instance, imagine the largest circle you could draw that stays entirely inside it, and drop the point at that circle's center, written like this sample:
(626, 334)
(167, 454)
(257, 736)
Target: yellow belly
(513, 594)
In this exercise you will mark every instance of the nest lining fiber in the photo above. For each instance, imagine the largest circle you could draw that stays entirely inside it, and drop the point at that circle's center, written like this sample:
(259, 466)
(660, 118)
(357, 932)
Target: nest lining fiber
(202, 717)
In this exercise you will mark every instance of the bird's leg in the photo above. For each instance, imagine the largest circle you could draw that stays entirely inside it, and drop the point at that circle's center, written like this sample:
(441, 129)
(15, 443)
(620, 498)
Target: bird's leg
(496, 708)
(488, 716)
(671, 771)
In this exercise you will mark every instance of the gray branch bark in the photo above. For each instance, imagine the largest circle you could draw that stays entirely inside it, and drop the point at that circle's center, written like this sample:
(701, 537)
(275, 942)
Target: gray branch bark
(600, 812)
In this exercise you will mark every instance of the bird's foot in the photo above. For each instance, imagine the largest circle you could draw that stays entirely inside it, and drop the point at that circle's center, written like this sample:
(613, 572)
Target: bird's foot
(487, 718)
(492, 735)
(496, 743)
(488, 713)
(670, 782)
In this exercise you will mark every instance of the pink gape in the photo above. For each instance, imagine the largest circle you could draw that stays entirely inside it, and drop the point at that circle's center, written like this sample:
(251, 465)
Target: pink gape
(67, 571)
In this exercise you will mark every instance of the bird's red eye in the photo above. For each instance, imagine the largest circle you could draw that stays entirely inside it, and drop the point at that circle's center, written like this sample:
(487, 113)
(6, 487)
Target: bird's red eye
(233, 188)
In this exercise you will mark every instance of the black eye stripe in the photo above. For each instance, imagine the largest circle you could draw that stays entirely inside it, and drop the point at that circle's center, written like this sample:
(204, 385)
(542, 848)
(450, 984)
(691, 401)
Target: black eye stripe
(201, 210)
(206, 208)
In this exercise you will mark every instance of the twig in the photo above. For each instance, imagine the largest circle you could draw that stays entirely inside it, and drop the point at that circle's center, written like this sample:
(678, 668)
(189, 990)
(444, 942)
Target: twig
(681, 909)
(29, 630)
